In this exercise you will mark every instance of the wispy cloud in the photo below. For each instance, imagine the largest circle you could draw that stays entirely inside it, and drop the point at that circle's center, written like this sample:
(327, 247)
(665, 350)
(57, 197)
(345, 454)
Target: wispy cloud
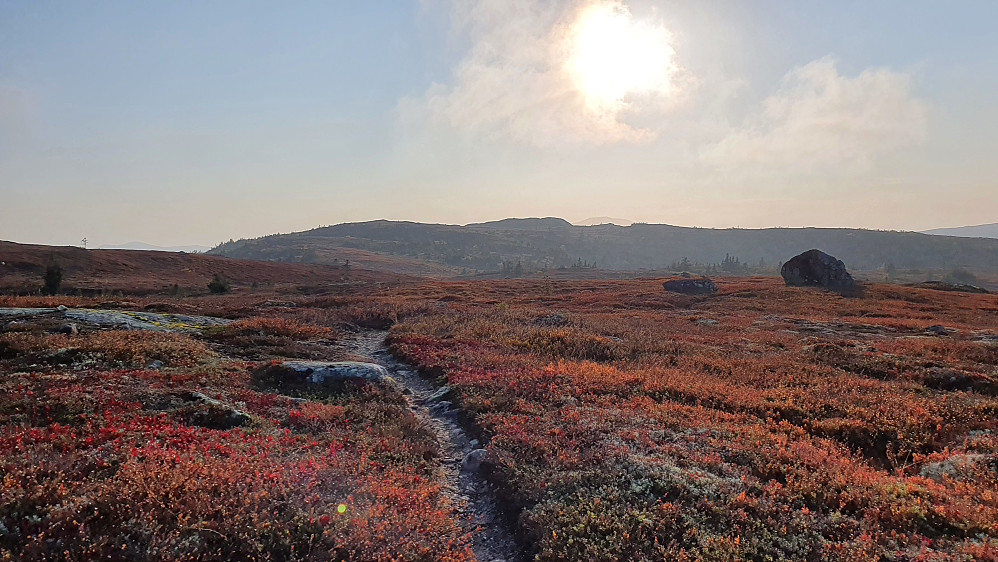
(820, 120)
(521, 76)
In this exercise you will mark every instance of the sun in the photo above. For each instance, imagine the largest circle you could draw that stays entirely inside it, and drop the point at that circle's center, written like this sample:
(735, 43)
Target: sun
(614, 57)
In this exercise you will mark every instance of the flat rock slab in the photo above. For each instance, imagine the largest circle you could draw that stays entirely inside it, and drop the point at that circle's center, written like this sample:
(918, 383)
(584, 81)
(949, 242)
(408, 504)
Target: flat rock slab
(318, 372)
(125, 319)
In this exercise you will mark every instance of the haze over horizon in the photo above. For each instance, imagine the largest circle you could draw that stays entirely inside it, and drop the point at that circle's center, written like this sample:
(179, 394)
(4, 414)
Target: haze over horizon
(181, 124)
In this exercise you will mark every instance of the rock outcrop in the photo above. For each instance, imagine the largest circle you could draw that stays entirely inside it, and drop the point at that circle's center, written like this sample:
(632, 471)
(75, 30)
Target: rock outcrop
(815, 268)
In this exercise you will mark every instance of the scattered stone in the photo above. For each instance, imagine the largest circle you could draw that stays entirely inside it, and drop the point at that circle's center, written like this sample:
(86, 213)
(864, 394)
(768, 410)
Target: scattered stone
(953, 287)
(213, 414)
(954, 468)
(63, 356)
(278, 304)
(69, 329)
(701, 286)
(154, 365)
(439, 394)
(553, 320)
(440, 407)
(473, 443)
(938, 330)
(707, 322)
(816, 269)
(473, 461)
(61, 308)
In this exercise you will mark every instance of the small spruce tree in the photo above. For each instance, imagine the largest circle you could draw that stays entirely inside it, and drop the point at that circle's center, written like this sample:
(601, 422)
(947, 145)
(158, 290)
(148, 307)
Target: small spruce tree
(53, 279)
(217, 285)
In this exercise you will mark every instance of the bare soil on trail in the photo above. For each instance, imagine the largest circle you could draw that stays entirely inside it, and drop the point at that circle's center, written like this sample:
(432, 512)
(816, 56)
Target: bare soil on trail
(492, 540)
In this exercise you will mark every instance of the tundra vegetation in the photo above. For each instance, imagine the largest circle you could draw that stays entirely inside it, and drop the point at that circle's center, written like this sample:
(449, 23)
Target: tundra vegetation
(621, 422)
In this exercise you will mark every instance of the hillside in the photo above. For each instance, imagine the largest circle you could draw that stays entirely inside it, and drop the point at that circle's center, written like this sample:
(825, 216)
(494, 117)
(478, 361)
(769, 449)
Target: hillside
(552, 243)
(977, 231)
(140, 271)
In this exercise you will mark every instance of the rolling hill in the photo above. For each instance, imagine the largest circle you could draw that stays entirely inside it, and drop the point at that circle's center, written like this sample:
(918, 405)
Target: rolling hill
(553, 243)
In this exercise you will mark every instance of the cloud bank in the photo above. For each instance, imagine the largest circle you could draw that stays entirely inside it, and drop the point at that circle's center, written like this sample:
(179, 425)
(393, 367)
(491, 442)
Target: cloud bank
(819, 121)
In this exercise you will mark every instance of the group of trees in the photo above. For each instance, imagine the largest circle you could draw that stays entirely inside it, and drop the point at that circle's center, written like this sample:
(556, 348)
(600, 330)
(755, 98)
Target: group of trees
(730, 265)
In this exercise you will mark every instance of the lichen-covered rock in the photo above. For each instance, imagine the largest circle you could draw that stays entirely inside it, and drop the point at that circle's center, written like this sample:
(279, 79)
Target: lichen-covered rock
(816, 269)
(690, 286)
(301, 374)
(319, 371)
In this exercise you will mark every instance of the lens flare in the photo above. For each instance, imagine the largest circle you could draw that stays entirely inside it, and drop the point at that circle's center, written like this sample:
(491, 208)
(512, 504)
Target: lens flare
(613, 56)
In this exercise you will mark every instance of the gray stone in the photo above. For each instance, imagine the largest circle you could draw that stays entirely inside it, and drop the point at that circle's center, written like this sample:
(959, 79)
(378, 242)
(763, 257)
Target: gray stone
(815, 268)
(701, 286)
(219, 414)
(154, 365)
(439, 394)
(440, 407)
(473, 461)
(318, 372)
(553, 320)
(61, 308)
(955, 467)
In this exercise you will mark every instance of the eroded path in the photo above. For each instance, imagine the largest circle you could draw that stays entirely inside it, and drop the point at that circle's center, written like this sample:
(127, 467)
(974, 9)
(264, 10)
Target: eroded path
(492, 540)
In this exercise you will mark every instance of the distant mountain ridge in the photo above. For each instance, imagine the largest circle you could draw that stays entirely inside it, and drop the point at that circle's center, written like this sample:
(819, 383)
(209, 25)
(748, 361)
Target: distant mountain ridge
(976, 231)
(594, 221)
(552, 243)
(151, 247)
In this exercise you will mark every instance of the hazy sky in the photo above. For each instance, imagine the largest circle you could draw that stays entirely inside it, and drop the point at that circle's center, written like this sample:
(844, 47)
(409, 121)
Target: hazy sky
(195, 122)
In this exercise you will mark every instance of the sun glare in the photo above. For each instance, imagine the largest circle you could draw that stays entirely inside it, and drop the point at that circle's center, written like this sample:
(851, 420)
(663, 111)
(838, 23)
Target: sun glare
(614, 56)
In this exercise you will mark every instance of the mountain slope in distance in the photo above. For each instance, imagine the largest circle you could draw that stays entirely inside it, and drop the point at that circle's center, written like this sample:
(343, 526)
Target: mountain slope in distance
(976, 231)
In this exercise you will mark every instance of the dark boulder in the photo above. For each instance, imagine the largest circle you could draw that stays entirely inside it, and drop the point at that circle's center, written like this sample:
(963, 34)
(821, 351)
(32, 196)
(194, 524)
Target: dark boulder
(816, 269)
(702, 286)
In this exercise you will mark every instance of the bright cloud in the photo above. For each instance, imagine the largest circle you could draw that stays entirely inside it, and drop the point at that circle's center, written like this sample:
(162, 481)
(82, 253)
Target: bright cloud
(550, 72)
(820, 120)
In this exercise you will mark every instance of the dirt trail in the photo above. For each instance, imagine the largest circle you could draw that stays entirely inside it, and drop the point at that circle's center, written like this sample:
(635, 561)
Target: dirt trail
(491, 538)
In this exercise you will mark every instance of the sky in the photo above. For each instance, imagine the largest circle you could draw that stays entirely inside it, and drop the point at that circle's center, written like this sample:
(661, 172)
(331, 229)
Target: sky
(181, 123)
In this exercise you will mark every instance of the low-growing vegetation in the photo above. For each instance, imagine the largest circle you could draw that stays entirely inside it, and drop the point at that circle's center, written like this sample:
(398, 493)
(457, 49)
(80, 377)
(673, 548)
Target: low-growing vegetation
(101, 458)
(761, 424)
(621, 422)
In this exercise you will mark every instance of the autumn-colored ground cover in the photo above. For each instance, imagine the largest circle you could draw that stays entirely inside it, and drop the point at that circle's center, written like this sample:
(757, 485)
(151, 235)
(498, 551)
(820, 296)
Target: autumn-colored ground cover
(761, 423)
(621, 422)
(101, 458)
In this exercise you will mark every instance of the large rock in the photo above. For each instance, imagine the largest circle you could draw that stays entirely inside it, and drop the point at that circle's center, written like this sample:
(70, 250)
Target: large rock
(691, 286)
(816, 269)
(317, 373)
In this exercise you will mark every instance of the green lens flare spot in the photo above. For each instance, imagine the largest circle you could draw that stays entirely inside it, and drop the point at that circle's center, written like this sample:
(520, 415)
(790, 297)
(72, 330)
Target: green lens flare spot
(342, 508)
